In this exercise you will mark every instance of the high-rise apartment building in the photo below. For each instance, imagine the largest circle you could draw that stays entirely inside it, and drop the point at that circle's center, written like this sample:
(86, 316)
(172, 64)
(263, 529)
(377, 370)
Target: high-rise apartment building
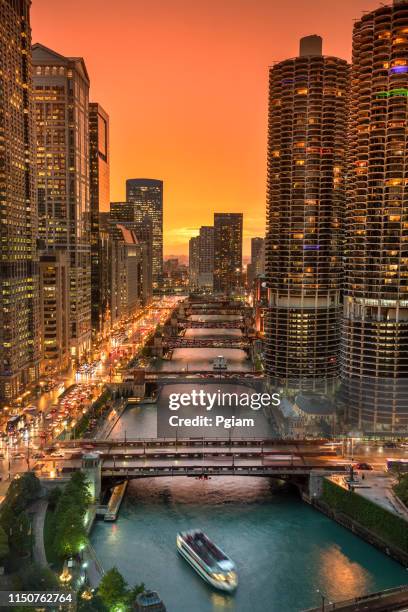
(19, 322)
(375, 326)
(146, 195)
(99, 193)
(194, 262)
(227, 252)
(206, 262)
(305, 202)
(61, 93)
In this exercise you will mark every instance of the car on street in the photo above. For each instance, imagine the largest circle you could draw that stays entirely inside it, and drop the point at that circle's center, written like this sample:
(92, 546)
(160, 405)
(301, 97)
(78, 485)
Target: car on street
(363, 466)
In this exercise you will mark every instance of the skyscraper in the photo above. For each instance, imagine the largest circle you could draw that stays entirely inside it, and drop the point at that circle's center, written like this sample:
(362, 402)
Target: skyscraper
(257, 265)
(194, 262)
(305, 202)
(54, 311)
(19, 322)
(206, 257)
(61, 90)
(146, 195)
(126, 265)
(258, 255)
(375, 326)
(125, 213)
(227, 252)
(99, 202)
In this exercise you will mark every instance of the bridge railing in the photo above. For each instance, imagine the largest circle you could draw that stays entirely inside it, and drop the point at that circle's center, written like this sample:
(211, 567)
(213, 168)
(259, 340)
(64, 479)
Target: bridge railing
(128, 471)
(362, 603)
(194, 442)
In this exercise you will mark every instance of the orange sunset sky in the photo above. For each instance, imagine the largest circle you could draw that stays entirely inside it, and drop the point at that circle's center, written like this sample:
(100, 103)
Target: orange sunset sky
(185, 84)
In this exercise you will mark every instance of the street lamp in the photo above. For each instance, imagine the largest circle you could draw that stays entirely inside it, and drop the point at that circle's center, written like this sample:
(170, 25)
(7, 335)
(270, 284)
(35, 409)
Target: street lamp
(323, 600)
(65, 577)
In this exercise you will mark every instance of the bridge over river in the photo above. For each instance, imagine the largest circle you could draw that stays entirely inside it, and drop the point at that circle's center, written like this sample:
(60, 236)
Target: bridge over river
(127, 459)
(229, 324)
(208, 342)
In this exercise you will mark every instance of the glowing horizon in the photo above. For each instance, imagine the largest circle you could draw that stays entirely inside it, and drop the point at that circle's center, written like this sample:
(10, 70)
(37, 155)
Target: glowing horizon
(185, 85)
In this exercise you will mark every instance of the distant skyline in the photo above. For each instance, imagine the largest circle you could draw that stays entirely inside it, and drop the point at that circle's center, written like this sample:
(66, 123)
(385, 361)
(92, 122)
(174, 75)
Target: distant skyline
(185, 84)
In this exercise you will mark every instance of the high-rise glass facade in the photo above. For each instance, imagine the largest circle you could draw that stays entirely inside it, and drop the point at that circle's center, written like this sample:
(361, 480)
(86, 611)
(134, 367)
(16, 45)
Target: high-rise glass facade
(126, 214)
(61, 90)
(305, 203)
(375, 326)
(206, 263)
(227, 252)
(146, 195)
(193, 262)
(99, 202)
(19, 314)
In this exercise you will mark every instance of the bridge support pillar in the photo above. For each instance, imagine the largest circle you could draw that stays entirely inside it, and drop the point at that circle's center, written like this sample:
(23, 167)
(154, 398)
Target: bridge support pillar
(316, 484)
(91, 467)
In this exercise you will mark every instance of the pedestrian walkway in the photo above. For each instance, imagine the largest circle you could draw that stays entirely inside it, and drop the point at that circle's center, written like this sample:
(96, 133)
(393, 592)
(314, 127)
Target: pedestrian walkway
(94, 569)
(39, 509)
(110, 421)
(378, 489)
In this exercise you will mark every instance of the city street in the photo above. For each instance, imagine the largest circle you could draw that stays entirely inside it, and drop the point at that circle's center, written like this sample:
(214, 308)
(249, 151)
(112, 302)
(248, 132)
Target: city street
(45, 418)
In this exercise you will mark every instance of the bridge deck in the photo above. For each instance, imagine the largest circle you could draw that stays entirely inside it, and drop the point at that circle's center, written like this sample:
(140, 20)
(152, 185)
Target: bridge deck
(209, 342)
(144, 458)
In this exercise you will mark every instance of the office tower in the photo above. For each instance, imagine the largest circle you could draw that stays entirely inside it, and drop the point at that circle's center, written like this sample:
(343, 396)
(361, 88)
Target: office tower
(227, 252)
(375, 326)
(257, 265)
(99, 202)
(258, 255)
(146, 195)
(54, 311)
(206, 260)
(126, 264)
(61, 88)
(19, 323)
(104, 262)
(126, 214)
(305, 201)
(194, 262)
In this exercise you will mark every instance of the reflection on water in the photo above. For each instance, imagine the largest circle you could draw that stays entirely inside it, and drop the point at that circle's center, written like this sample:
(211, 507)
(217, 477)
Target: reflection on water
(141, 421)
(202, 359)
(284, 550)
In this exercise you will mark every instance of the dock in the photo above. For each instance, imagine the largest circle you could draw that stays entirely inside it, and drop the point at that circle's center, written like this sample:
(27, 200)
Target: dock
(115, 501)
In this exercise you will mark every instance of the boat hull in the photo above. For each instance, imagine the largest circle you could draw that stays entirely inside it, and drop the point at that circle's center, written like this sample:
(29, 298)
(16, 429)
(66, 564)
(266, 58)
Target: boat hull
(214, 583)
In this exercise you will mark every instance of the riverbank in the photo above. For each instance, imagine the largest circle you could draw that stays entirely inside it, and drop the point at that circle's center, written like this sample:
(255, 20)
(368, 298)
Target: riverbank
(365, 518)
(283, 548)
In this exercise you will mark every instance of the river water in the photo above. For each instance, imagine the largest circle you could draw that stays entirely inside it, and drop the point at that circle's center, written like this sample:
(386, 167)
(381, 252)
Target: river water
(284, 550)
